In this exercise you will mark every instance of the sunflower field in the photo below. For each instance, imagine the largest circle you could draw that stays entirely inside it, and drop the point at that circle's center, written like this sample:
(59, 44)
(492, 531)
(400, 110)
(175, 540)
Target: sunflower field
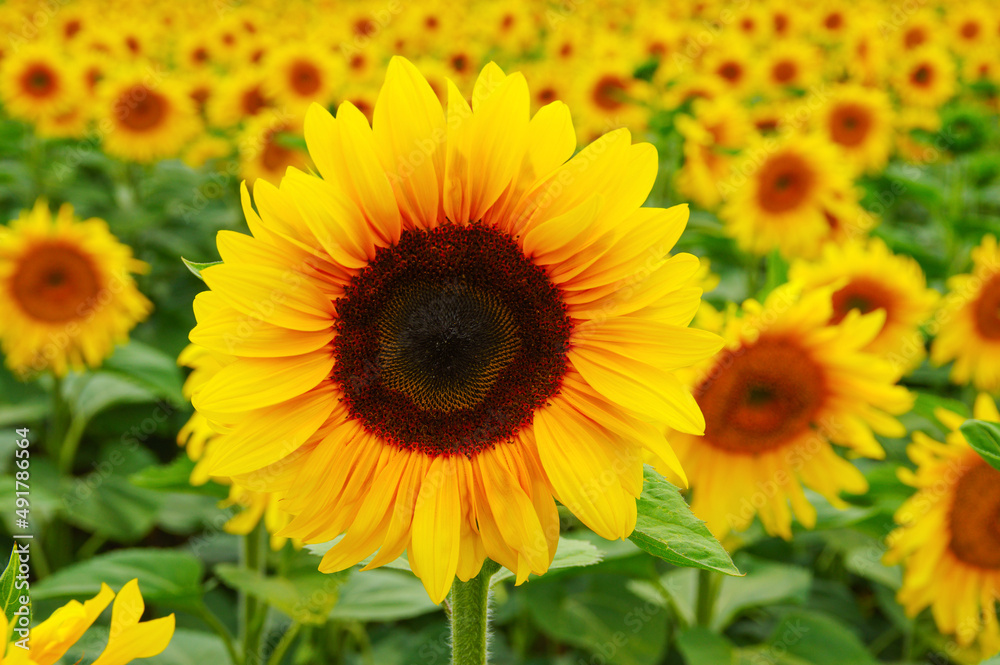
(569, 332)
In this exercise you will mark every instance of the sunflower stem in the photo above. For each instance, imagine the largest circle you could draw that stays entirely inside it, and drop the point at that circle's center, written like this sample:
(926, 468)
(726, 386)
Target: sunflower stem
(469, 602)
(253, 557)
(708, 591)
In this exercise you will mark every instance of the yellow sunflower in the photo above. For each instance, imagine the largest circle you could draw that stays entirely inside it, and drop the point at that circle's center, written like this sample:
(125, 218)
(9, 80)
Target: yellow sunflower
(925, 77)
(718, 129)
(790, 63)
(37, 81)
(67, 291)
(128, 638)
(868, 277)
(242, 95)
(732, 64)
(451, 328)
(264, 149)
(609, 97)
(146, 118)
(786, 386)
(782, 204)
(858, 121)
(197, 435)
(300, 74)
(947, 538)
(970, 26)
(968, 325)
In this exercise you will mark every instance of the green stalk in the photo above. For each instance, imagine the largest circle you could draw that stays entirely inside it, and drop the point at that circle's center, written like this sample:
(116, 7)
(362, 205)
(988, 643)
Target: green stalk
(253, 557)
(217, 626)
(286, 641)
(708, 592)
(469, 603)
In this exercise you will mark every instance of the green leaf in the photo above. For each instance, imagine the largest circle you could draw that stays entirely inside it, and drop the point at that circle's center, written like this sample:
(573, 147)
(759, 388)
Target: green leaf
(196, 268)
(148, 367)
(9, 593)
(666, 528)
(764, 584)
(175, 477)
(113, 508)
(599, 612)
(20, 415)
(191, 647)
(569, 554)
(170, 577)
(817, 639)
(306, 595)
(700, 645)
(89, 394)
(984, 437)
(382, 595)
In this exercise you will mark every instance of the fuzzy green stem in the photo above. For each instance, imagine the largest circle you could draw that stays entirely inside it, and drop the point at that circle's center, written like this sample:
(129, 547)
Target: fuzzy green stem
(286, 641)
(469, 603)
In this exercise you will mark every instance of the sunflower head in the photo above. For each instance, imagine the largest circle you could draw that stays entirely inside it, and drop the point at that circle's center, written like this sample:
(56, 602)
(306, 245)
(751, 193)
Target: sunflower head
(452, 330)
(67, 288)
(948, 538)
(968, 327)
(785, 387)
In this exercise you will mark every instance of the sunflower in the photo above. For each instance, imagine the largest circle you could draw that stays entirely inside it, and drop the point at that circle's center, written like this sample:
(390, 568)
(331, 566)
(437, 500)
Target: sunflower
(197, 436)
(147, 118)
(299, 74)
(784, 388)
(868, 277)
(732, 65)
(982, 66)
(265, 149)
(719, 128)
(919, 30)
(947, 538)
(128, 638)
(783, 202)
(450, 329)
(36, 81)
(925, 78)
(790, 64)
(858, 121)
(970, 25)
(969, 322)
(242, 95)
(67, 291)
(610, 97)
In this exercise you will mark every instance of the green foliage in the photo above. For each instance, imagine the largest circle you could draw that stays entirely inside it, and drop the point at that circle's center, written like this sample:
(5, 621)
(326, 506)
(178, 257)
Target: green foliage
(984, 437)
(666, 528)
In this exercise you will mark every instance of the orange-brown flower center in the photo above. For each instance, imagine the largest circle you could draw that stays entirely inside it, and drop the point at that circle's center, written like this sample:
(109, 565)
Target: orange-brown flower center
(141, 109)
(850, 124)
(785, 181)
(761, 396)
(609, 92)
(305, 78)
(731, 71)
(914, 37)
(39, 81)
(975, 517)
(987, 309)
(55, 283)
(863, 294)
(253, 100)
(784, 71)
(922, 76)
(274, 156)
(833, 21)
(970, 30)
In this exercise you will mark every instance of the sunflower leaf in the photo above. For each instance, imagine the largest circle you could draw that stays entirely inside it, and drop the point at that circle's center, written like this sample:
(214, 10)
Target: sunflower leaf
(9, 592)
(984, 437)
(667, 529)
(196, 268)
